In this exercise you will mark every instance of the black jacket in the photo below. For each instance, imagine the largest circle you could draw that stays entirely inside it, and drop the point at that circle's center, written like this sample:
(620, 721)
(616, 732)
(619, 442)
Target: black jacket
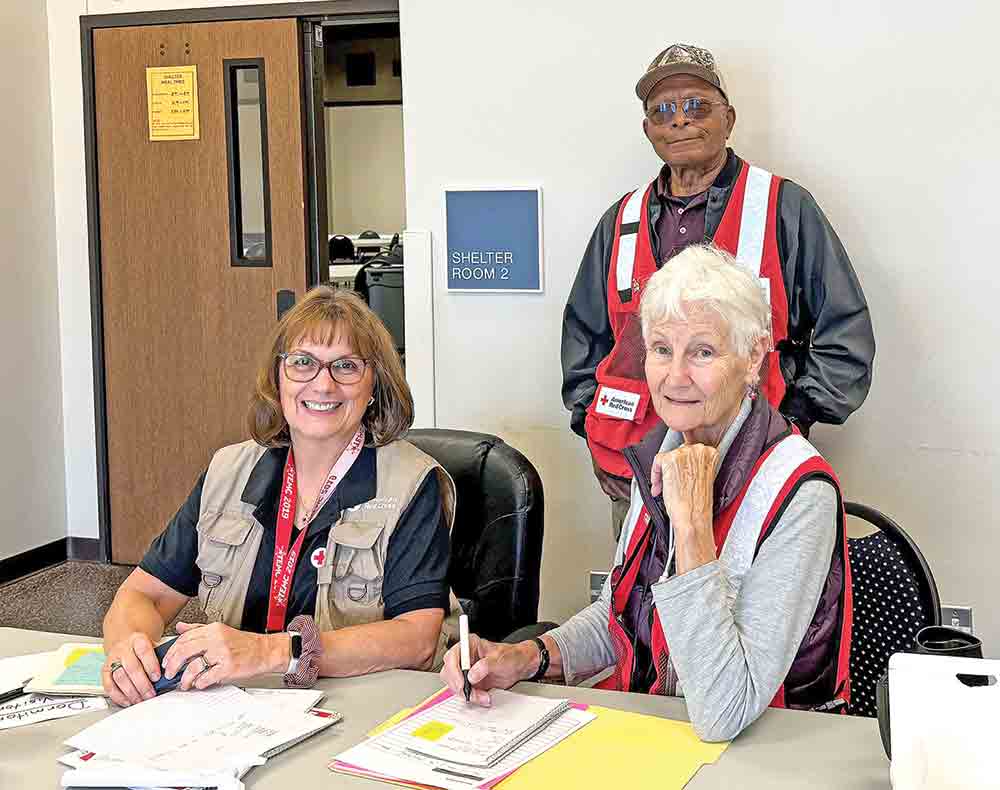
(827, 358)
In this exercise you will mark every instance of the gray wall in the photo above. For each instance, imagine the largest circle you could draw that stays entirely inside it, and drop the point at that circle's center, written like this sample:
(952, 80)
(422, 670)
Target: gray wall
(32, 478)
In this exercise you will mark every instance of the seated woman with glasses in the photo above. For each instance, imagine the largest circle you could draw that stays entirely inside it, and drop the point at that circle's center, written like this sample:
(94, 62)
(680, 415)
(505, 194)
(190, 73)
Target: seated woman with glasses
(318, 548)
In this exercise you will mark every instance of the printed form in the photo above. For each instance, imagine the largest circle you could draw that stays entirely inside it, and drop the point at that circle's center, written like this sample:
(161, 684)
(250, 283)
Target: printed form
(212, 730)
(390, 754)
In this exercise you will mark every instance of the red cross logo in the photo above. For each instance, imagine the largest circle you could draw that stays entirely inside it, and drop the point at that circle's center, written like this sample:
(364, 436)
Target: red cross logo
(604, 400)
(318, 558)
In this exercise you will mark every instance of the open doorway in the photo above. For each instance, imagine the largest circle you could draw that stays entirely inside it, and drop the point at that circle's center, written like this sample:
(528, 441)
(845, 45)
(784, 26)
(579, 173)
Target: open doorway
(363, 120)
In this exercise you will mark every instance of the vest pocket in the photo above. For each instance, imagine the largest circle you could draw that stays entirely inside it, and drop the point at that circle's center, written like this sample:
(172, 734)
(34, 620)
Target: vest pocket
(358, 564)
(220, 556)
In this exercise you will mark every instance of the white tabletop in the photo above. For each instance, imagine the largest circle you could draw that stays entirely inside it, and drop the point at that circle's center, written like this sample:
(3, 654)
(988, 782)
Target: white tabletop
(783, 749)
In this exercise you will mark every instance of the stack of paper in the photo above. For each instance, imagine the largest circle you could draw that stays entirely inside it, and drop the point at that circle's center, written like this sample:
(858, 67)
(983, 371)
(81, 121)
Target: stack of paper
(205, 738)
(447, 743)
(617, 749)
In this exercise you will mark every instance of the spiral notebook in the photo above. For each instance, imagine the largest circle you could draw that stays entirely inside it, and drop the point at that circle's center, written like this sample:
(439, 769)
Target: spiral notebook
(465, 734)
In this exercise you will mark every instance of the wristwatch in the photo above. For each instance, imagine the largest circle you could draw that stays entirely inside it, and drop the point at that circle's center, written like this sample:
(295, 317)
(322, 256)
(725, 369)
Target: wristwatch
(543, 663)
(293, 663)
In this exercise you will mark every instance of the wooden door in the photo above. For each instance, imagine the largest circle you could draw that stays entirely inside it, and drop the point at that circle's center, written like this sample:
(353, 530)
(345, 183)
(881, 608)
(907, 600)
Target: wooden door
(183, 325)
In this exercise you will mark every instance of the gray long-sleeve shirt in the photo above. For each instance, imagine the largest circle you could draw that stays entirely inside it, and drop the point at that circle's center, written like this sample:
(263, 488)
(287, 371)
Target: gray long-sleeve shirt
(732, 636)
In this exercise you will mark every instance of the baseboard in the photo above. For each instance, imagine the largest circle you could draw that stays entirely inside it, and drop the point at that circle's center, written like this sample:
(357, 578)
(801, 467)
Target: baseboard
(85, 549)
(32, 560)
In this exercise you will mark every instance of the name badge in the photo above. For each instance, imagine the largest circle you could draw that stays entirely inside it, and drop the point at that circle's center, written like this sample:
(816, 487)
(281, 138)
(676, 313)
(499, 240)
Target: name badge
(617, 403)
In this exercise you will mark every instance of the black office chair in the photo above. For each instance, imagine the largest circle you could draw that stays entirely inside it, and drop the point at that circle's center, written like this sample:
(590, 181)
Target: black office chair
(496, 543)
(894, 597)
(341, 249)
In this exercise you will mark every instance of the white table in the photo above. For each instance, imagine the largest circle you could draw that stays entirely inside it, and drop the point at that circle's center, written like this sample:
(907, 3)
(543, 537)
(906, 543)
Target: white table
(783, 749)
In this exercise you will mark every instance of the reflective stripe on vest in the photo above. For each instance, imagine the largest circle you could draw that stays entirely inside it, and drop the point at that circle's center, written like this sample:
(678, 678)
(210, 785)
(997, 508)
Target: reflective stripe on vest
(625, 262)
(749, 249)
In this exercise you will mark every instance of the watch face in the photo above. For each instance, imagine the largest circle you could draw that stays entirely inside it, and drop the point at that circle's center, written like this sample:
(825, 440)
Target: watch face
(296, 644)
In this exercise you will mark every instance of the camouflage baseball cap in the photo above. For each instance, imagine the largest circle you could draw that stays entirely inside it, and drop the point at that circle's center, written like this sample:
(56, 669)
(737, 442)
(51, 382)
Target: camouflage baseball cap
(681, 59)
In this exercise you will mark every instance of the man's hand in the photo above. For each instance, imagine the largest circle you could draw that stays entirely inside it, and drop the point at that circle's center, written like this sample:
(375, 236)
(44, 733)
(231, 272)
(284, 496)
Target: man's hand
(218, 653)
(686, 478)
(135, 669)
(612, 485)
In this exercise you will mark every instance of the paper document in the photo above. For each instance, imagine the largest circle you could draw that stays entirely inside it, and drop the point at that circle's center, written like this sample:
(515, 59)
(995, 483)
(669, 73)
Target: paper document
(387, 756)
(473, 735)
(291, 700)
(31, 708)
(74, 669)
(15, 672)
(209, 731)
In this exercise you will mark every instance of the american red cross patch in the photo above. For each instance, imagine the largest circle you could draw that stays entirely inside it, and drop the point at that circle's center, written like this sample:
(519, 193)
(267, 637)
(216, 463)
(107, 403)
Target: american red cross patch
(318, 558)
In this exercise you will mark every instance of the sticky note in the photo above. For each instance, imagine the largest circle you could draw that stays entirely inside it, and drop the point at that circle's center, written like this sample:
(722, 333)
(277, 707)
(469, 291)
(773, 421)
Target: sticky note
(83, 667)
(432, 730)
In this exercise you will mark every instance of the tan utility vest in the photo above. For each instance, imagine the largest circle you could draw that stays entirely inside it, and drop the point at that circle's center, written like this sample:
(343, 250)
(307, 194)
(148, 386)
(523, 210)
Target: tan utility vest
(350, 580)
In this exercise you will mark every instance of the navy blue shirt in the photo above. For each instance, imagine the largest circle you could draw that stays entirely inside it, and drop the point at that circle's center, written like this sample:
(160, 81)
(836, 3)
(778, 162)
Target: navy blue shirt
(416, 562)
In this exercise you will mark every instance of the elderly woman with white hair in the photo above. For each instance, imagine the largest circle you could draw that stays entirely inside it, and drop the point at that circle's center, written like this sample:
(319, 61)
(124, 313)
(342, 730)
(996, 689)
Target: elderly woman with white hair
(731, 584)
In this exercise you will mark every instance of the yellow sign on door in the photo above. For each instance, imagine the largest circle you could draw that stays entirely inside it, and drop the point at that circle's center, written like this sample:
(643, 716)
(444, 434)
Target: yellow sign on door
(172, 99)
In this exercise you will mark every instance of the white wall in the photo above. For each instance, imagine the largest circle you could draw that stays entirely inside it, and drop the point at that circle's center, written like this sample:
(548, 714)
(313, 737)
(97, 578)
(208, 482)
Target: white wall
(859, 103)
(876, 109)
(364, 164)
(31, 472)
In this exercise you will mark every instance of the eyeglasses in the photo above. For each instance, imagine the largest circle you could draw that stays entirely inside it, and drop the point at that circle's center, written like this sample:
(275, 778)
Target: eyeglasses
(302, 367)
(694, 107)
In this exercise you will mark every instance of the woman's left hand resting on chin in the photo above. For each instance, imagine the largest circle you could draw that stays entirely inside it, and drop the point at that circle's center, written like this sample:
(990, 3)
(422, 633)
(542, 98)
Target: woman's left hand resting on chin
(686, 478)
(229, 654)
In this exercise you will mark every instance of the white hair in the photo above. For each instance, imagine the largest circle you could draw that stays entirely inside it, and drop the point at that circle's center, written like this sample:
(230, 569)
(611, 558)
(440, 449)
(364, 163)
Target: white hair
(703, 276)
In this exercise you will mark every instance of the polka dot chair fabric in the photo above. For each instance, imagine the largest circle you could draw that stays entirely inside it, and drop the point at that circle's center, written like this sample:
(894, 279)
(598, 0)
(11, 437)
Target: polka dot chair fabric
(894, 597)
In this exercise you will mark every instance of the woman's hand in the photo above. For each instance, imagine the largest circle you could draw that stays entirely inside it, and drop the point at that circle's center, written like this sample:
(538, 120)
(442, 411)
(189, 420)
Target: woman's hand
(219, 653)
(135, 670)
(686, 478)
(494, 665)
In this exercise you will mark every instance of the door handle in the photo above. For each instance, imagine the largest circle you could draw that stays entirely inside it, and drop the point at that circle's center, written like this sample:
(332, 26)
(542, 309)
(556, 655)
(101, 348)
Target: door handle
(284, 302)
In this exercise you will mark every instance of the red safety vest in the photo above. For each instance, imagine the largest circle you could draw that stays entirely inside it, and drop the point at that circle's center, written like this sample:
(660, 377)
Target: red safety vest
(773, 484)
(621, 413)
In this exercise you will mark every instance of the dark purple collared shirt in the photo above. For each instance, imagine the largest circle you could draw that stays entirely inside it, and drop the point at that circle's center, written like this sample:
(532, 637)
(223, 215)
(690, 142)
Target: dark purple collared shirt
(681, 221)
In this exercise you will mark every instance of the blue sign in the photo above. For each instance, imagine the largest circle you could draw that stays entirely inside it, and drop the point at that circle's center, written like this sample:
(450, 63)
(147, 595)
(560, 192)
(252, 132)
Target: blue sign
(494, 239)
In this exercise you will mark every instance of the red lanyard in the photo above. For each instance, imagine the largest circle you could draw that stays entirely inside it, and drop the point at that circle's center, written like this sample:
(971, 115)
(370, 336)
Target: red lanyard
(286, 556)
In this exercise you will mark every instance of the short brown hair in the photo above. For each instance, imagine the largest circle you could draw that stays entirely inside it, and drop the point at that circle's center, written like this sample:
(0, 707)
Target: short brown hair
(323, 315)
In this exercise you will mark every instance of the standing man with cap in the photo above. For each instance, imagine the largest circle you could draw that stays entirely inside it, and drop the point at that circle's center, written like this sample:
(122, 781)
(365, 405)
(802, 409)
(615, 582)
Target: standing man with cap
(820, 368)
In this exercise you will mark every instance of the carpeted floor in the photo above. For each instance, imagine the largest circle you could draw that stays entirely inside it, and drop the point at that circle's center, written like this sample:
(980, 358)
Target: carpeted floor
(70, 598)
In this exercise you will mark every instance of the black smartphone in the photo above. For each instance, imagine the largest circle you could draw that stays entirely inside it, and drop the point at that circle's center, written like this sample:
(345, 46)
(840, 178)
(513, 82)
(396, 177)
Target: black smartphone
(164, 684)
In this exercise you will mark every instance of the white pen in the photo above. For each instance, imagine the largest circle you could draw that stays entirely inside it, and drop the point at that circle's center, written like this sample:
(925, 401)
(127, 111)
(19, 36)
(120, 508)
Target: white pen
(463, 646)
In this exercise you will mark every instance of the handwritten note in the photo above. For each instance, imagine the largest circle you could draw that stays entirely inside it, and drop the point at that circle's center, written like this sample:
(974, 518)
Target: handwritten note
(33, 708)
(172, 100)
